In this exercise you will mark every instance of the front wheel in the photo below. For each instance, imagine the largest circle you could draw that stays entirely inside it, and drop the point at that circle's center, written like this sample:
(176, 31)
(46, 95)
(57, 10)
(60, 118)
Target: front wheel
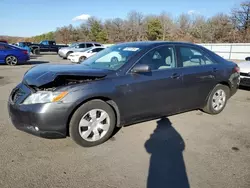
(92, 123)
(217, 99)
(82, 58)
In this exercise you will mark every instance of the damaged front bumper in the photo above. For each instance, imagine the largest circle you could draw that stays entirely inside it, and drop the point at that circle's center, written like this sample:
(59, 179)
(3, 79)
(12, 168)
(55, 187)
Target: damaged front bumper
(47, 120)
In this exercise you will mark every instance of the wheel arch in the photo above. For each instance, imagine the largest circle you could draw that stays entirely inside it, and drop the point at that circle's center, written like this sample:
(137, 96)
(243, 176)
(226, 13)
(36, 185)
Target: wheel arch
(108, 100)
(219, 83)
(7, 55)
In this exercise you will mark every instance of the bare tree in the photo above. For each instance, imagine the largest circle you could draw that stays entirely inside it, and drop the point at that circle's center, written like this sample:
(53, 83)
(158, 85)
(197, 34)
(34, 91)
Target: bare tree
(241, 16)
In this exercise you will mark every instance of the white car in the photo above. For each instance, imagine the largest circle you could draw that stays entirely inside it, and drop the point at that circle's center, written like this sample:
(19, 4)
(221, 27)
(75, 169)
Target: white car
(80, 56)
(244, 73)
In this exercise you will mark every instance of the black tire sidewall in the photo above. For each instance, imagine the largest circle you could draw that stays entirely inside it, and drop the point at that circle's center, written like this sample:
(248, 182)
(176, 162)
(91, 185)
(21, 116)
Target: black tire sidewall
(82, 110)
(210, 100)
(82, 58)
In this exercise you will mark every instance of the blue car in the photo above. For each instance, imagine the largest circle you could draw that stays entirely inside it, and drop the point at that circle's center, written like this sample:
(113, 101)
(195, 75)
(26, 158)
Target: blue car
(12, 55)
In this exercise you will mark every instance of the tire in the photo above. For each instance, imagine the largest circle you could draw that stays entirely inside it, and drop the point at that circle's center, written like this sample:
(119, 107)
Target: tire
(211, 107)
(67, 55)
(11, 60)
(36, 51)
(82, 58)
(82, 115)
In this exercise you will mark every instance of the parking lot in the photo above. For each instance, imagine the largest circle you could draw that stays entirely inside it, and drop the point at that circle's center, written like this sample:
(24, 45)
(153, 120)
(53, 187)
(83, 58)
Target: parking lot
(196, 149)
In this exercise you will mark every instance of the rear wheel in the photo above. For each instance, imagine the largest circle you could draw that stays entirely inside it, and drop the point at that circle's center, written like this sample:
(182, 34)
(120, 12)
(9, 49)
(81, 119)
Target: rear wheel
(92, 123)
(217, 99)
(36, 51)
(11, 60)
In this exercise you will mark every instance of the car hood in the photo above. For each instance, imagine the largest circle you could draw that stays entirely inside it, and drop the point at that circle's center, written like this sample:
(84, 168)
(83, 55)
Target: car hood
(44, 74)
(244, 66)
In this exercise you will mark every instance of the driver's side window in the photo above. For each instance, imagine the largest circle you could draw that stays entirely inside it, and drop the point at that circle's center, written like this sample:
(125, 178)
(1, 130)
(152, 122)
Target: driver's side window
(162, 57)
(192, 57)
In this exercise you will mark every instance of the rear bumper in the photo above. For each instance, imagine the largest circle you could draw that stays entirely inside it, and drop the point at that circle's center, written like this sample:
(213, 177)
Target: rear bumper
(61, 54)
(23, 59)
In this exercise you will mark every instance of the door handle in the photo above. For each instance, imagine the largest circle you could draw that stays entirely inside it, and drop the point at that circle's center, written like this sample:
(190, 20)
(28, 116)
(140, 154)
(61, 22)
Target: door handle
(215, 69)
(175, 76)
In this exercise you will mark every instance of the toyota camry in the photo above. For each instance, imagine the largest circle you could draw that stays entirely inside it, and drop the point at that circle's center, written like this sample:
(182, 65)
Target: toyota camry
(141, 81)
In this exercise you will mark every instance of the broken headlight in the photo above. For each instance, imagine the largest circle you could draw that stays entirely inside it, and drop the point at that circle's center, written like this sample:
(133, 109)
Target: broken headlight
(44, 97)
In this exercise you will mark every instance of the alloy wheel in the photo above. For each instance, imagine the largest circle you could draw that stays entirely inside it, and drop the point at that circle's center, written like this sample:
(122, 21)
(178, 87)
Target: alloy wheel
(11, 60)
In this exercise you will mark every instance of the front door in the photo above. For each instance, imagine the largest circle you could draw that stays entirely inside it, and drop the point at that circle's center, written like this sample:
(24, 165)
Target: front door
(155, 93)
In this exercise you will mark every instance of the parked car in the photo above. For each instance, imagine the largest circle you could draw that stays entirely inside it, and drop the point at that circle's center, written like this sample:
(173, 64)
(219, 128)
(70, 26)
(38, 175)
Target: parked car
(45, 46)
(24, 45)
(76, 47)
(247, 58)
(245, 73)
(77, 57)
(3, 41)
(153, 79)
(12, 55)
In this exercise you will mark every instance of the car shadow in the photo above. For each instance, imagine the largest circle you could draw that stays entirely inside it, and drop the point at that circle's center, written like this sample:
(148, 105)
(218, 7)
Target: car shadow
(34, 56)
(167, 166)
(33, 62)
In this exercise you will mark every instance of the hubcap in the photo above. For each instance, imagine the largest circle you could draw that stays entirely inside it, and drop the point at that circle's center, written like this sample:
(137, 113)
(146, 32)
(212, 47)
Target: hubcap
(94, 125)
(219, 99)
(11, 60)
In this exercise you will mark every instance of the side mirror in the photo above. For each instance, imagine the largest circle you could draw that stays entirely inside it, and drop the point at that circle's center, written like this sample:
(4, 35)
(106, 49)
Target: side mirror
(141, 68)
(247, 58)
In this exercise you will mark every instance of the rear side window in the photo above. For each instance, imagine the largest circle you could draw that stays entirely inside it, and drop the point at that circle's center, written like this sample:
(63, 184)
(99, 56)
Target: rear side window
(193, 57)
(89, 45)
(81, 45)
(98, 45)
(97, 49)
(3, 47)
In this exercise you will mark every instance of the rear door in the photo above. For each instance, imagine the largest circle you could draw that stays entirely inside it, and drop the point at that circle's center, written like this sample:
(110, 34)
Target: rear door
(199, 75)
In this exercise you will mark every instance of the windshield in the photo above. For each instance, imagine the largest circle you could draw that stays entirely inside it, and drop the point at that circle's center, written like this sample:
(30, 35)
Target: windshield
(112, 58)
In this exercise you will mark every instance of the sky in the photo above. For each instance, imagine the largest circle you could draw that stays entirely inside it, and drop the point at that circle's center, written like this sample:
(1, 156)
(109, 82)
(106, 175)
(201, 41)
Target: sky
(33, 17)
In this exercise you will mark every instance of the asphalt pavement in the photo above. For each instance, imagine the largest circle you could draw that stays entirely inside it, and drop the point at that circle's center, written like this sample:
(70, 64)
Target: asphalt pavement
(192, 149)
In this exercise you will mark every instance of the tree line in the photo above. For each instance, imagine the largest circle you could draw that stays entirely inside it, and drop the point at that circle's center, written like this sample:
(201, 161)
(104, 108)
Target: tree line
(233, 27)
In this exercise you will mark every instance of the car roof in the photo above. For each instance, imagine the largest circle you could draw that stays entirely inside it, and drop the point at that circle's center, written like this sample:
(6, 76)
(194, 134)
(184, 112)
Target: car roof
(153, 43)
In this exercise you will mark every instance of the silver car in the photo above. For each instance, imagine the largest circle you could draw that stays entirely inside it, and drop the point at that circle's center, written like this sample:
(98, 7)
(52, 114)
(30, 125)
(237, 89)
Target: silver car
(245, 73)
(75, 47)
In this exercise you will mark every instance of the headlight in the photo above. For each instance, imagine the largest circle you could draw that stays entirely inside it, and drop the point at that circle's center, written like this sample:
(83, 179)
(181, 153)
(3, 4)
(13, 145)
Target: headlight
(44, 97)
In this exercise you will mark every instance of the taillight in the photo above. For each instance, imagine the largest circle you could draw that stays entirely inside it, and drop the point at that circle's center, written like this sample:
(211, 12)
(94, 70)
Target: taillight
(236, 69)
(25, 51)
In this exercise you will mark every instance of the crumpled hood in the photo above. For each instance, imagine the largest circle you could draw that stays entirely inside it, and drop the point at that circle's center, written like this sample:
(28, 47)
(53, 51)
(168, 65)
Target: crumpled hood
(43, 74)
(244, 66)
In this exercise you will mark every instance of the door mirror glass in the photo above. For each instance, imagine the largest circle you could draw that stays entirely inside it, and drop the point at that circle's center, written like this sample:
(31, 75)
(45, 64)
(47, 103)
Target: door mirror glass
(141, 68)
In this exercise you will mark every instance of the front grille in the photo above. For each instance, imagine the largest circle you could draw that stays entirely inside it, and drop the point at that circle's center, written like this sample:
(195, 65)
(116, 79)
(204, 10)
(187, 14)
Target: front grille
(245, 74)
